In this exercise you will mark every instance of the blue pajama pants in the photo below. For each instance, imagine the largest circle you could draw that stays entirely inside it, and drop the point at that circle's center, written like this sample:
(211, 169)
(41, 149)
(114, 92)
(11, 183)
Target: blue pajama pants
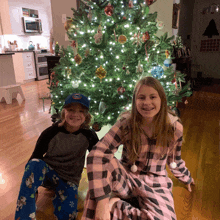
(38, 173)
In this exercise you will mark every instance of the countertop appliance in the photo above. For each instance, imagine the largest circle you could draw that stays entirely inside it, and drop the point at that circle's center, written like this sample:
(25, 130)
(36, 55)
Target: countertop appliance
(32, 25)
(41, 64)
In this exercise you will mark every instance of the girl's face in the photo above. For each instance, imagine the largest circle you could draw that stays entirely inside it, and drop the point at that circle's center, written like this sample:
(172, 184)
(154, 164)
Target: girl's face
(148, 102)
(75, 115)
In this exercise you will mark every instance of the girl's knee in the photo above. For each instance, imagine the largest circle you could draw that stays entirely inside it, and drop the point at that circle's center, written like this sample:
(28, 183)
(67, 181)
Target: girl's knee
(112, 203)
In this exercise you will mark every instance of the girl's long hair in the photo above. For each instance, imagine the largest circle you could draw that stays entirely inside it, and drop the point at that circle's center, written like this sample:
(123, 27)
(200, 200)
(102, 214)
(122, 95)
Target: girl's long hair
(88, 117)
(163, 131)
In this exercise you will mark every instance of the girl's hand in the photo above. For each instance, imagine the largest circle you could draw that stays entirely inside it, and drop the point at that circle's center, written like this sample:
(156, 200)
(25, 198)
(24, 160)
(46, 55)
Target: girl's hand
(189, 185)
(102, 210)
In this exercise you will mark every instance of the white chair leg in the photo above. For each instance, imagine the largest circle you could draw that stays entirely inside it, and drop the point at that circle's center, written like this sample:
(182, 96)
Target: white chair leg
(8, 97)
(21, 93)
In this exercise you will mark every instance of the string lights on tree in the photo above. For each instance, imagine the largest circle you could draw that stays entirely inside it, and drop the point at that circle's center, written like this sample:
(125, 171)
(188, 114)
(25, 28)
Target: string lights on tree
(112, 45)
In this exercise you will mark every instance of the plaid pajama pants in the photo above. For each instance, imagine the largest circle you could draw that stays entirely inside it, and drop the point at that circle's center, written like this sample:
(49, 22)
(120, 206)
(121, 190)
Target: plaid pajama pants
(38, 173)
(142, 196)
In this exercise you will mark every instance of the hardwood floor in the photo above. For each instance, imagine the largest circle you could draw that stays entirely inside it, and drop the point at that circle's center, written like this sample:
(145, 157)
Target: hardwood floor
(22, 122)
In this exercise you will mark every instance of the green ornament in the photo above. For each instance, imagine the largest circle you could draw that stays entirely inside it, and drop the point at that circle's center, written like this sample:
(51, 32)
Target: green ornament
(147, 10)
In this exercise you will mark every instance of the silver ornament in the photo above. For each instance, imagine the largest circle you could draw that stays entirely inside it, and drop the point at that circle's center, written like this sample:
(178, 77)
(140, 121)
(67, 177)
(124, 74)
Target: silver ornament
(75, 84)
(102, 107)
(176, 92)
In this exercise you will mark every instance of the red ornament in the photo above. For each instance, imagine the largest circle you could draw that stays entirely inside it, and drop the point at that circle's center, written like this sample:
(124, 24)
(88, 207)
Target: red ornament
(109, 9)
(150, 2)
(130, 4)
(96, 126)
(124, 68)
(146, 36)
(120, 90)
(174, 80)
(73, 44)
(52, 75)
(124, 18)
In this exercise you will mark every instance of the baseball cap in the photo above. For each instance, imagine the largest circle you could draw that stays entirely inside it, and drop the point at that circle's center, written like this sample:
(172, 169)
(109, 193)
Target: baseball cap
(77, 98)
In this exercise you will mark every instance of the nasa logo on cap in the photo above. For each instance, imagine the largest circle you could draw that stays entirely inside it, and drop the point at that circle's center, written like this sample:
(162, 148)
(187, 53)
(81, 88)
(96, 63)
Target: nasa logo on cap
(77, 96)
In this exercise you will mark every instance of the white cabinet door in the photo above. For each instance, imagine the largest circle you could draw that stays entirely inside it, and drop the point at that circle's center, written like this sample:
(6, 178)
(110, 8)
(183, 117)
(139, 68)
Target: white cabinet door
(30, 73)
(19, 67)
(15, 19)
(29, 65)
(24, 66)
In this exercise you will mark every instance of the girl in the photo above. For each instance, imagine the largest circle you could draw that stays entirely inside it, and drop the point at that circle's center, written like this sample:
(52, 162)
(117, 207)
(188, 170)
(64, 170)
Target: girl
(58, 161)
(137, 186)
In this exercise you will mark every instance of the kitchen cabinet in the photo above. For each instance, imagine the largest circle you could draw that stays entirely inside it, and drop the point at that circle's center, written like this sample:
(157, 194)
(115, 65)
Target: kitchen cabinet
(24, 65)
(11, 22)
(16, 20)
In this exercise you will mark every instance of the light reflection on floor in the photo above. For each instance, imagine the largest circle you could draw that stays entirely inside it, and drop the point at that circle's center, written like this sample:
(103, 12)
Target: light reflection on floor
(2, 181)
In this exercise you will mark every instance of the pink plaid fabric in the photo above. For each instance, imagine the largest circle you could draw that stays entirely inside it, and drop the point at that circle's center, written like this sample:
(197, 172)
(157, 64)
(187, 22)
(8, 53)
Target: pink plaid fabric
(146, 194)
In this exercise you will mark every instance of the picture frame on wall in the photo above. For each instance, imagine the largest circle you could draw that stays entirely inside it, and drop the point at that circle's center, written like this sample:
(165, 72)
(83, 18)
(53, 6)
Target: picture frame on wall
(25, 12)
(176, 15)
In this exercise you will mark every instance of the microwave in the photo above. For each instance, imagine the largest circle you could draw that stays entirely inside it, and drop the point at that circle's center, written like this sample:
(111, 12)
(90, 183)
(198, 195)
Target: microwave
(32, 25)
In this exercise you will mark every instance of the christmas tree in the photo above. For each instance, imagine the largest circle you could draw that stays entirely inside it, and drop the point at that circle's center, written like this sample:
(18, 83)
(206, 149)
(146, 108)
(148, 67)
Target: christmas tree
(113, 45)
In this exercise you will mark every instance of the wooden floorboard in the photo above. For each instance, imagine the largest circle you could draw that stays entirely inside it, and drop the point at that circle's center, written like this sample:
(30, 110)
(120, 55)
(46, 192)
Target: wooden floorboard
(22, 122)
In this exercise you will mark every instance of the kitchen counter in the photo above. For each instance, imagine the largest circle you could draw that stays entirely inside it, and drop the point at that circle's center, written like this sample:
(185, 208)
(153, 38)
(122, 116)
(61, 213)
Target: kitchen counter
(18, 51)
(9, 53)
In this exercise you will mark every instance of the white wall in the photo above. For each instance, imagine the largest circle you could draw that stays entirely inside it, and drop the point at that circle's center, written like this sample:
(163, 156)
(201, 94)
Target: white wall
(208, 62)
(60, 8)
(164, 9)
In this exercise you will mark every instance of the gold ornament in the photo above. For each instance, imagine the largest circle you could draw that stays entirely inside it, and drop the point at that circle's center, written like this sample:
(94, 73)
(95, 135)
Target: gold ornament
(109, 9)
(78, 59)
(101, 73)
(74, 45)
(68, 24)
(139, 67)
(68, 72)
(87, 52)
(137, 40)
(146, 36)
(160, 25)
(98, 36)
(122, 39)
(167, 53)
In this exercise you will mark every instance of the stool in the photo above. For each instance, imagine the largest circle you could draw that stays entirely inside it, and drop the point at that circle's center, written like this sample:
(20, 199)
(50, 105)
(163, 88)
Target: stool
(9, 92)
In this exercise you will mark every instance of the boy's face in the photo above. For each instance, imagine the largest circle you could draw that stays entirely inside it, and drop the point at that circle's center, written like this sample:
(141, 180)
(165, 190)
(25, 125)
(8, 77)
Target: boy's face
(75, 115)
